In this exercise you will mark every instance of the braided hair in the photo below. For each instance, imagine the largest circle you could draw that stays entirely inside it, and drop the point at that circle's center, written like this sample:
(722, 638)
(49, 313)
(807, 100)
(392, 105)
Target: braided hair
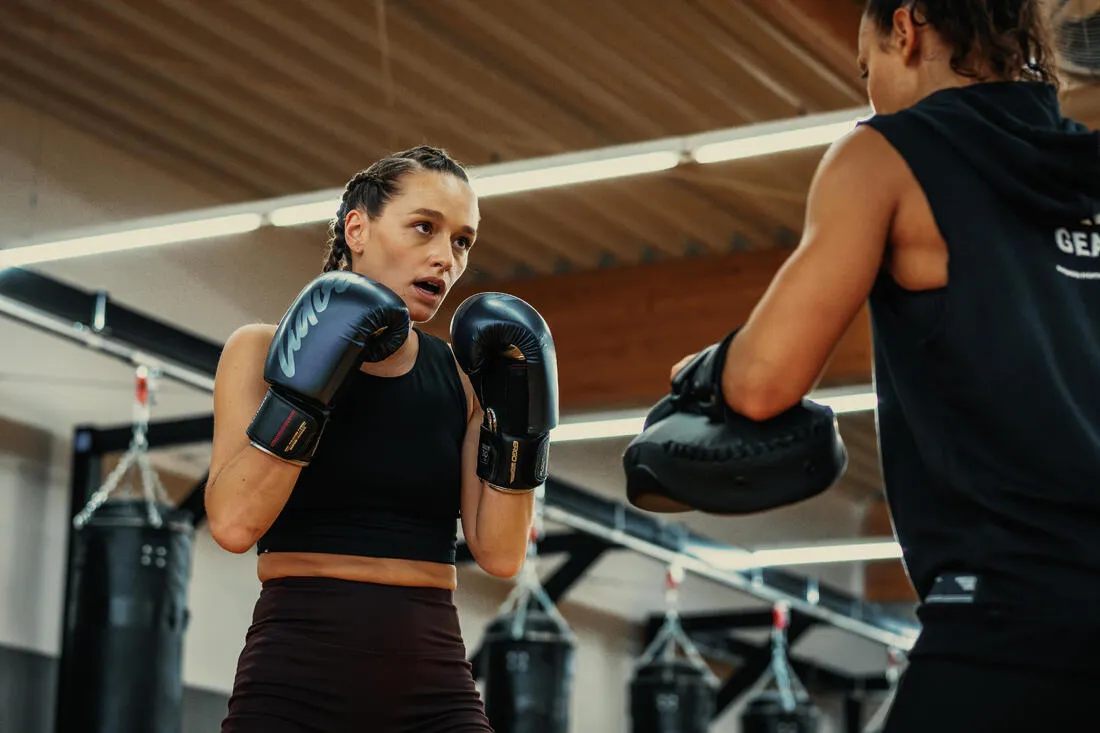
(372, 188)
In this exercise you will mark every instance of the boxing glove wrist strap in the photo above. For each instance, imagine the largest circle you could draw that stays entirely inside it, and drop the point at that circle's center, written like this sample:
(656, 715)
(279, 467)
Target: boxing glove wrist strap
(512, 464)
(286, 430)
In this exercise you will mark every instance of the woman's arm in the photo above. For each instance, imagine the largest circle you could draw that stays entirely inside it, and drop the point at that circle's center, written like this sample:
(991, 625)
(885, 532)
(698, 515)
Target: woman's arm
(496, 525)
(247, 487)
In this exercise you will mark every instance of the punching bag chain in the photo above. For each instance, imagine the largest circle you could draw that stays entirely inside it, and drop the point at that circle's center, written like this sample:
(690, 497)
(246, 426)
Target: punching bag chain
(136, 455)
(786, 681)
(671, 636)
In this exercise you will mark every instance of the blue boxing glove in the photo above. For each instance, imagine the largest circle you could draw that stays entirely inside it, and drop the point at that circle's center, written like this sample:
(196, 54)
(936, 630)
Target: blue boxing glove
(338, 321)
(506, 349)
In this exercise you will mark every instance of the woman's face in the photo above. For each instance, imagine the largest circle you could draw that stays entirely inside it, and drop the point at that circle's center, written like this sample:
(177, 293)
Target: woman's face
(419, 246)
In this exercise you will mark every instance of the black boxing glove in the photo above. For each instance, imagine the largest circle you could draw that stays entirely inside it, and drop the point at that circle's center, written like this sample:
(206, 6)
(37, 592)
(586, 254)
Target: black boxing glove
(506, 349)
(336, 323)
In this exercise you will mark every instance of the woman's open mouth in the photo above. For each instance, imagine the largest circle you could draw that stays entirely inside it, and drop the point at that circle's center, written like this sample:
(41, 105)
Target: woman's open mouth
(431, 289)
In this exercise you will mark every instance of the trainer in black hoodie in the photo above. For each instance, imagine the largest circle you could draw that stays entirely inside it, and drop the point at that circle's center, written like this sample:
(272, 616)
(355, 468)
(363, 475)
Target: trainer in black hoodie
(966, 213)
(989, 388)
(969, 221)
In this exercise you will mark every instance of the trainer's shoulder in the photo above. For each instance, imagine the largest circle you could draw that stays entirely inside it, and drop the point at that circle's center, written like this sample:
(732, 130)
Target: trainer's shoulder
(863, 158)
(864, 145)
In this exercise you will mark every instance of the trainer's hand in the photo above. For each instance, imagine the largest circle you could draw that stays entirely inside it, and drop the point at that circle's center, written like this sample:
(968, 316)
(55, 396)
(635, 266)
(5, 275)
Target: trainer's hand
(680, 365)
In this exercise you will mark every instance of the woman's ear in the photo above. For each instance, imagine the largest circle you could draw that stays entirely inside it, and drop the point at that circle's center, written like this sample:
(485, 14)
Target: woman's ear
(357, 228)
(907, 35)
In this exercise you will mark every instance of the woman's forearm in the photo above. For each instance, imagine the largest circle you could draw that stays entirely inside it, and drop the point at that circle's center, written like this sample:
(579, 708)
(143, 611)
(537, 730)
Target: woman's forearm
(246, 496)
(502, 530)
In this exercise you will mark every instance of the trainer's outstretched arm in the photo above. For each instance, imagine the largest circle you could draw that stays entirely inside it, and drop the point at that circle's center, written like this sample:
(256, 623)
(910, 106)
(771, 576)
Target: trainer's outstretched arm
(247, 487)
(781, 351)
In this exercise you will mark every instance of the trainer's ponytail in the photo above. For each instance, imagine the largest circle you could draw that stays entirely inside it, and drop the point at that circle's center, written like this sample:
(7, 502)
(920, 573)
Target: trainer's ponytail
(1009, 37)
(372, 188)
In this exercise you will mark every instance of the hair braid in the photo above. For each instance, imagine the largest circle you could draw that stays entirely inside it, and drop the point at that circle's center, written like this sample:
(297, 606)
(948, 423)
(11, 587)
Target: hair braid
(372, 188)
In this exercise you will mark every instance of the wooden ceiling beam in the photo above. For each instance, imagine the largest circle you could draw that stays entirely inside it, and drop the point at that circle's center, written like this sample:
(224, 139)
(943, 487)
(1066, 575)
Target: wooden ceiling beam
(618, 331)
(829, 29)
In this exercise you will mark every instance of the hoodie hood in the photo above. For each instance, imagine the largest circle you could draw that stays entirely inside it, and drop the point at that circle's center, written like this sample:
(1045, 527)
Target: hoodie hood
(1014, 134)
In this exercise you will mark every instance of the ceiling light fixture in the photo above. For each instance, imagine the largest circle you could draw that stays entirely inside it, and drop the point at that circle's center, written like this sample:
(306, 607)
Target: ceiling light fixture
(496, 179)
(822, 553)
(137, 237)
(842, 401)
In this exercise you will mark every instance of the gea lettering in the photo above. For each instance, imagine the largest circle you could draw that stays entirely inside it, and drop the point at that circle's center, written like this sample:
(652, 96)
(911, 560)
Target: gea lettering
(1081, 244)
(309, 309)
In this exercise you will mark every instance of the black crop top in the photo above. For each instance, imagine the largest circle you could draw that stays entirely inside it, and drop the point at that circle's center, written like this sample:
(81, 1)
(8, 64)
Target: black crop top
(386, 479)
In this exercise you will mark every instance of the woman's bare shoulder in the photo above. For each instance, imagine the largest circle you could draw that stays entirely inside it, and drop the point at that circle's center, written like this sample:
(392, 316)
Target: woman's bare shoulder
(248, 341)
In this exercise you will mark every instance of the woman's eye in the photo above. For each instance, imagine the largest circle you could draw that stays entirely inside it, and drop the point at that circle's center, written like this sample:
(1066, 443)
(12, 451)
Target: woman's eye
(464, 243)
(423, 227)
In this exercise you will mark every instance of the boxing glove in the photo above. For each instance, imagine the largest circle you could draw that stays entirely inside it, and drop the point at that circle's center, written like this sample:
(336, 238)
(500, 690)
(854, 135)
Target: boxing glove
(506, 349)
(336, 323)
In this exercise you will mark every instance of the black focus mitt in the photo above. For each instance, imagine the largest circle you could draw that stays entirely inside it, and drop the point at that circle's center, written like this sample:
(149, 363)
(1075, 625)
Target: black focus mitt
(695, 453)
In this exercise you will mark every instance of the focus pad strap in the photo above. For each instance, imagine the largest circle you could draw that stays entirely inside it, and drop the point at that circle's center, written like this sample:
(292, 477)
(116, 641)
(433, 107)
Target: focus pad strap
(286, 430)
(687, 461)
(697, 387)
(513, 463)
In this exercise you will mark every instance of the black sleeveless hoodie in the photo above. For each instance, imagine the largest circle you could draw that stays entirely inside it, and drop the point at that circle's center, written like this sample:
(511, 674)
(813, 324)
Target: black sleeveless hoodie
(989, 389)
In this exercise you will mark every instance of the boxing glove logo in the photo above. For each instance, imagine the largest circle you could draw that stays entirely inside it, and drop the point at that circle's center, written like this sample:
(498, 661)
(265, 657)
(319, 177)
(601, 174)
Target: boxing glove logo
(307, 314)
(514, 461)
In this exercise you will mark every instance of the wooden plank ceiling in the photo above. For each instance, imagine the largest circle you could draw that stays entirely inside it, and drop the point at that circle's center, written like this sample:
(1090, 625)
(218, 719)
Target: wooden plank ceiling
(252, 98)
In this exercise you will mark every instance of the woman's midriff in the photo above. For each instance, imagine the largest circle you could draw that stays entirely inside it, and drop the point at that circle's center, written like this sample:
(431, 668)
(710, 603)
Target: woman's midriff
(381, 570)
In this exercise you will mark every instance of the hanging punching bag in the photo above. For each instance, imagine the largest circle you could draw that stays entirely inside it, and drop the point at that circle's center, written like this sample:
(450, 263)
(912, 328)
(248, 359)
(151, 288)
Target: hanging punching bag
(528, 673)
(765, 714)
(125, 624)
(671, 696)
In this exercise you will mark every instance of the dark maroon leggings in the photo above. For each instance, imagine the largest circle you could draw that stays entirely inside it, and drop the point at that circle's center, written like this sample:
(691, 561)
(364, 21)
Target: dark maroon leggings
(328, 656)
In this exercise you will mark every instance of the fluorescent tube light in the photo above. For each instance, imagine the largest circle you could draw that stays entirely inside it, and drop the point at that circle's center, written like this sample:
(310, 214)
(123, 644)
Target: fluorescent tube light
(289, 216)
(776, 142)
(815, 554)
(596, 429)
(125, 239)
(820, 554)
(489, 180)
(847, 400)
(496, 184)
(841, 401)
(572, 173)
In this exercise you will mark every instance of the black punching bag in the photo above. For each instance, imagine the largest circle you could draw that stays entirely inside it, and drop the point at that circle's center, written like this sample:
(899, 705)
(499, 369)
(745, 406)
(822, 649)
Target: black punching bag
(765, 714)
(671, 696)
(528, 673)
(126, 619)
